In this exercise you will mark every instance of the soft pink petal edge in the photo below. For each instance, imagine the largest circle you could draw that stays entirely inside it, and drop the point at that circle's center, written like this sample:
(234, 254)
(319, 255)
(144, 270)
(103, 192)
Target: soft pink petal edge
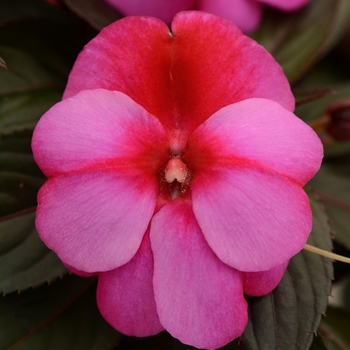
(199, 299)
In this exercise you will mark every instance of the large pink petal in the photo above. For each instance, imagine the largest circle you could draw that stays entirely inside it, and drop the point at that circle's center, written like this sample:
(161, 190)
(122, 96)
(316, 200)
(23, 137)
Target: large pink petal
(290, 5)
(199, 299)
(263, 282)
(163, 9)
(253, 220)
(95, 221)
(184, 76)
(99, 129)
(245, 14)
(125, 295)
(259, 132)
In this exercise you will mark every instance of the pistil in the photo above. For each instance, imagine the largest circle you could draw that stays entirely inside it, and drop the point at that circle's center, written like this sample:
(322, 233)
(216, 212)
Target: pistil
(176, 170)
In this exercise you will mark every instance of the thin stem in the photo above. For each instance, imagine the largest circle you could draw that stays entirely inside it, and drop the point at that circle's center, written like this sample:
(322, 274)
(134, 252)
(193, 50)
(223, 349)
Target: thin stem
(330, 255)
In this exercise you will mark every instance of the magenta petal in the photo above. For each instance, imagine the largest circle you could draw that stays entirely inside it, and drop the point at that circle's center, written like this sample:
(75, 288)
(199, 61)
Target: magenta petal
(181, 77)
(245, 14)
(98, 129)
(263, 282)
(252, 219)
(125, 295)
(95, 221)
(290, 5)
(199, 299)
(163, 9)
(261, 134)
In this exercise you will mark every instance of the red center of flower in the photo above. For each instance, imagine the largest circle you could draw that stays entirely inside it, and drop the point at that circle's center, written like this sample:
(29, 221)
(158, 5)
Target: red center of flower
(175, 170)
(175, 177)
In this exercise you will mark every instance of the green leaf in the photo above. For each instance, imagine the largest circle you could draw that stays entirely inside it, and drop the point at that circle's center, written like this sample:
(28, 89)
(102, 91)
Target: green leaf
(334, 329)
(22, 110)
(20, 178)
(297, 40)
(332, 184)
(288, 317)
(39, 43)
(24, 259)
(61, 316)
(95, 12)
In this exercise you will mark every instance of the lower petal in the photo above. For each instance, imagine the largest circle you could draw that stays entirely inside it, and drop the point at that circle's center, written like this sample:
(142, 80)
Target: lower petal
(263, 282)
(125, 295)
(245, 14)
(95, 221)
(253, 220)
(199, 299)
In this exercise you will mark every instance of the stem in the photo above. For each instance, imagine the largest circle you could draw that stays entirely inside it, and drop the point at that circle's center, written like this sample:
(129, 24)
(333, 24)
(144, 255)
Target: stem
(330, 255)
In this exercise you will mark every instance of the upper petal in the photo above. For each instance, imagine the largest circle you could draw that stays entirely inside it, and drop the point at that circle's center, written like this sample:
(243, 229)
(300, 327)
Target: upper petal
(125, 295)
(99, 129)
(163, 9)
(95, 221)
(252, 219)
(184, 76)
(245, 14)
(259, 132)
(199, 299)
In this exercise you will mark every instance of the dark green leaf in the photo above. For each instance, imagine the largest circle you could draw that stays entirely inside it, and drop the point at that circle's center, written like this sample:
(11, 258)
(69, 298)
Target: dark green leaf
(22, 110)
(95, 12)
(332, 184)
(24, 259)
(297, 40)
(288, 317)
(61, 316)
(334, 329)
(20, 178)
(15, 10)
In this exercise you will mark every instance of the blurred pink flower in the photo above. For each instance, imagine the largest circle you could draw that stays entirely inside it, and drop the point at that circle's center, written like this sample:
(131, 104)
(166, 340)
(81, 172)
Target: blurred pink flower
(175, 170)
(246, 14)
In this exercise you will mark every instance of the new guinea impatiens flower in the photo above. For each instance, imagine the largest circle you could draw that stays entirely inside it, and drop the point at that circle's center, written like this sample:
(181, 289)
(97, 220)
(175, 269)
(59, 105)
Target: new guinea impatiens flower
(175, 171)
(246, 14)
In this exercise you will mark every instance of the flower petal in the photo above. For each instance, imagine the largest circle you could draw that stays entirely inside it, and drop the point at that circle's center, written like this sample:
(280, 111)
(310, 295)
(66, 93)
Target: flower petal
(290, 5)
(163, 9)
(199, 299)
(245, 14)
(99, 129)
(259, 133)
(95, 221)
(263, 282)
(252, 219)
(181, 77)
(125, 295)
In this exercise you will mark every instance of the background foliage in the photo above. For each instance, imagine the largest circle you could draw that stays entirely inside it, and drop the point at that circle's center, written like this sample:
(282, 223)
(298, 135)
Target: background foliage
(43, 307)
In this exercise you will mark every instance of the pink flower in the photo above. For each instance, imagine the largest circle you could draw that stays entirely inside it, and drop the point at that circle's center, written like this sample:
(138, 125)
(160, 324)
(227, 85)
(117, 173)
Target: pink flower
(246, 14)
(175, 170)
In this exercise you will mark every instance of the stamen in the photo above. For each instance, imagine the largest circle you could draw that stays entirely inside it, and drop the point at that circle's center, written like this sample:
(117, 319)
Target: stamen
(330, 255)
(175, 170)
